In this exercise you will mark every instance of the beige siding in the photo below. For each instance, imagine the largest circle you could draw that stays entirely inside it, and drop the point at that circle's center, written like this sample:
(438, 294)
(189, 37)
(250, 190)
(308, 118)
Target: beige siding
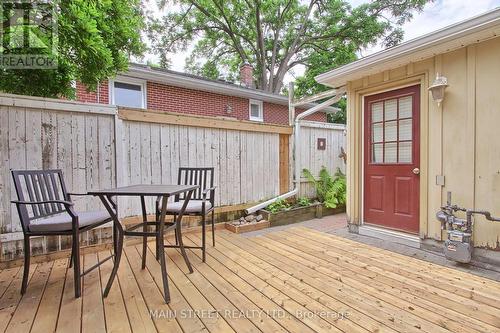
(487, 137)
(459, 139)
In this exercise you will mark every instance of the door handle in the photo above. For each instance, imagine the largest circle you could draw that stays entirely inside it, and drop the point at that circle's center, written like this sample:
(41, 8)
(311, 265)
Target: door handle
(416, 171)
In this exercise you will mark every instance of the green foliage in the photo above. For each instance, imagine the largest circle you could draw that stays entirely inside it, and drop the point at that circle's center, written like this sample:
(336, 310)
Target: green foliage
(304, 202)
(331, 190)
(339, 117)
(275, 36)
(278, 206)
(95, 41)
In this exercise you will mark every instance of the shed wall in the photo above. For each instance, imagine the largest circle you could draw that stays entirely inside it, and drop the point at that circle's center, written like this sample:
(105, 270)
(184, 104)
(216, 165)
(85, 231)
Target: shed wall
(459, 139)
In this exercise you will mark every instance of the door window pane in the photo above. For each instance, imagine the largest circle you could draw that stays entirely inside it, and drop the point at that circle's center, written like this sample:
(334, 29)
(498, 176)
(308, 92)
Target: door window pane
(377, 112)
(377, 153)
(405, 130)
(405, 152)
(391, 109)
(391, 153)
(405, 107)
(391, 131)
(377, 132)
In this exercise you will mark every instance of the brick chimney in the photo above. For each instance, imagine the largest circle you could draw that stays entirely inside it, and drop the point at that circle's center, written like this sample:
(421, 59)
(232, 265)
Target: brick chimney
(246, 75)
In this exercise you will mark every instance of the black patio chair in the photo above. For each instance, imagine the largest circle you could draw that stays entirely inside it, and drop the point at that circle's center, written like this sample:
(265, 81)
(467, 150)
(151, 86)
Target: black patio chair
(45, 209)
(201, 204)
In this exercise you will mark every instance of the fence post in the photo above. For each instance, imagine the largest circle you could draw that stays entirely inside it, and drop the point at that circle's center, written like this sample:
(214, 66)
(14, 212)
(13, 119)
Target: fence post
(120, 162)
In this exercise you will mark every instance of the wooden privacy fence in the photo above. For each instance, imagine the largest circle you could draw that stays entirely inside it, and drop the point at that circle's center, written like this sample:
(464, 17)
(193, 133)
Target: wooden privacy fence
(313, 158)
(99, 146)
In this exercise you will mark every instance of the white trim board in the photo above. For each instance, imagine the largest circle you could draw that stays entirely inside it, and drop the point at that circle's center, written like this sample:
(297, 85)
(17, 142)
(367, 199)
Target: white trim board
(318, 124)
(42, 103)
(390, 235)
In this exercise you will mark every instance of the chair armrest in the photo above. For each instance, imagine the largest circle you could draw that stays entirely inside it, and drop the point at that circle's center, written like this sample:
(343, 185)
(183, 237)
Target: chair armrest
(77, 194)
(205, 192)
(70, 194)
(66, 203)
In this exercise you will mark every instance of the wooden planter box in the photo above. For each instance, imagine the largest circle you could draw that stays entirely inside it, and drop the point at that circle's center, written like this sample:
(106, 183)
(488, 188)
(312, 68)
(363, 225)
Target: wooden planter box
(239, 229)
(299, 214)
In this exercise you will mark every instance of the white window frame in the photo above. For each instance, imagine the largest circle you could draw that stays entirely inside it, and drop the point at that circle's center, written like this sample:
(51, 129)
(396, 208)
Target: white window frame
(261, 108)
(129, 80)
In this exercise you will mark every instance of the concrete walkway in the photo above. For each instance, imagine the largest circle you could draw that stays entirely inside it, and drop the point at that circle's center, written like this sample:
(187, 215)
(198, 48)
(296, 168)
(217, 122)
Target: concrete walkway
(337, 225)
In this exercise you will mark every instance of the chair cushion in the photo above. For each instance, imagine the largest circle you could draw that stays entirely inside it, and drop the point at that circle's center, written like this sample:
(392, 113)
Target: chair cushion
(62, 222)
(193, 206)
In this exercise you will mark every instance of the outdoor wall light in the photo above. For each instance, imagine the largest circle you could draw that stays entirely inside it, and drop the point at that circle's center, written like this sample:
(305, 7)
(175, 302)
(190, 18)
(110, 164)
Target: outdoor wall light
(438, 87)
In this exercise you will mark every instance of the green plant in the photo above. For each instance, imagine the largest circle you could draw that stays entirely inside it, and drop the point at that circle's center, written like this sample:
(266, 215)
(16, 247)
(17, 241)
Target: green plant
(278, 206)
(93, 42)
(331, 190)
(304, 202)
(275, 36)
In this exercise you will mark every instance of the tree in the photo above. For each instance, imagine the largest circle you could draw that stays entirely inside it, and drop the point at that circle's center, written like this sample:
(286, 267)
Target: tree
(95, 41)
(275, 36)
(322, 62)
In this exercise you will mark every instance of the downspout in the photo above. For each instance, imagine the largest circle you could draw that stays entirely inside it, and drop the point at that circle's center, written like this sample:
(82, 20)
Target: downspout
(296, 132)
(337, 95)
(98, 92)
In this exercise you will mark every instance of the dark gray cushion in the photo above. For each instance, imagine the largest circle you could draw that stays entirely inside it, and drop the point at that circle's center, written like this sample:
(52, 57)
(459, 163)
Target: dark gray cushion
(62, 222)
(193, 206)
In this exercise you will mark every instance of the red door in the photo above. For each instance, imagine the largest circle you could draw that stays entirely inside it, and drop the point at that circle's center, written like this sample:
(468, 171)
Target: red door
(392, 159)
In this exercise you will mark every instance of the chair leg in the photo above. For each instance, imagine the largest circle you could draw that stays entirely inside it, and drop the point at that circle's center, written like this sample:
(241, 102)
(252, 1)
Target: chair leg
(203, 237)
(213, 227)
(144, 249)
(71, 256)
(157, 240)
(26, 270)
(175, 232)
(183, 250)
(161, 249)
(76, 262)
(144, 229)
(118, 254)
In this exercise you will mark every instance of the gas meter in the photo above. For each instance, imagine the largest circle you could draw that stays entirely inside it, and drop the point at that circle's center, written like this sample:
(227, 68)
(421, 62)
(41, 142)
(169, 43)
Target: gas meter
(458, 245)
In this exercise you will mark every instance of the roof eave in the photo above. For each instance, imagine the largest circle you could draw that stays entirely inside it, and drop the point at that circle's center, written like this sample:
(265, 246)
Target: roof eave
(187, 82)
(477, 29)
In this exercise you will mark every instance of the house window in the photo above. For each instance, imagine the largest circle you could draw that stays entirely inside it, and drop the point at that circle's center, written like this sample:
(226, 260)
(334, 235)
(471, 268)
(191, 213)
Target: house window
(256, 110)
(131, 93)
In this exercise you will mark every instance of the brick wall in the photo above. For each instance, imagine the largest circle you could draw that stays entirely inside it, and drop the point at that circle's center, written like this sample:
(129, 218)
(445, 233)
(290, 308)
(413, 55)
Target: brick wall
(278, 114)
(161, 97)
(166, 98)
(83, 95)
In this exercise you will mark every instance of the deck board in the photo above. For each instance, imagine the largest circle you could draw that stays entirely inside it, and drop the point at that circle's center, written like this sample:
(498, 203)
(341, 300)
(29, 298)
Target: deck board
(292, 280)
(48, 311)
(368, 282)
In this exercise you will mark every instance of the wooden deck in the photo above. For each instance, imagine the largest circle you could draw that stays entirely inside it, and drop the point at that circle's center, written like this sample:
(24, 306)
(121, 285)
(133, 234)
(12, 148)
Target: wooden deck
(302, 281)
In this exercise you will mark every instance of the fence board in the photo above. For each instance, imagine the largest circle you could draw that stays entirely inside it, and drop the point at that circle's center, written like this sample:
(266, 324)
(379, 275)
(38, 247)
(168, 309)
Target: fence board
(34, 138)
(314, 159)
(5, 183)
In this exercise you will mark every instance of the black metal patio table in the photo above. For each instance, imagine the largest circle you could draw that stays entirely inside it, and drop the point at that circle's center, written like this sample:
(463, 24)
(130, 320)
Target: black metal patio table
(161, 192)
